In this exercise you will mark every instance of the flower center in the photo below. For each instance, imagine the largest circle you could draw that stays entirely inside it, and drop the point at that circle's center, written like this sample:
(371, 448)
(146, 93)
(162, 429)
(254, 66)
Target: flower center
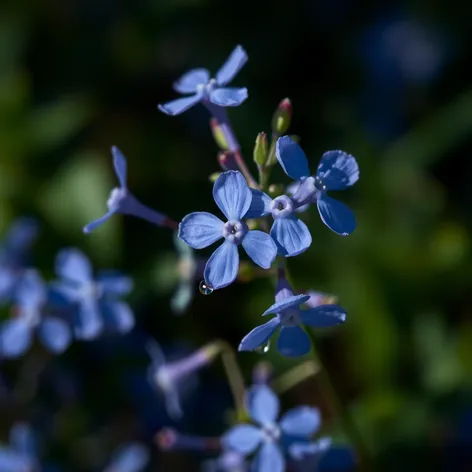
(270, 433)
(282, 207)
(163, 379)
(234, 231)
(90, 290)
(290, 317)
(116, 198)
(31, 315)
(206, 89)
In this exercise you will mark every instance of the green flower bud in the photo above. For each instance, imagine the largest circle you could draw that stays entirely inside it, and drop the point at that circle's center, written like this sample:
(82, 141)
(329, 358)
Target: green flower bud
(218, 135)
(282, 117)
(261, 150)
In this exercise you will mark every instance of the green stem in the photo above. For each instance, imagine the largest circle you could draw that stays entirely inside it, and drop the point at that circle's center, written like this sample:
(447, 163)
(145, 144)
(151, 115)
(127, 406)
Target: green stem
(295, 376)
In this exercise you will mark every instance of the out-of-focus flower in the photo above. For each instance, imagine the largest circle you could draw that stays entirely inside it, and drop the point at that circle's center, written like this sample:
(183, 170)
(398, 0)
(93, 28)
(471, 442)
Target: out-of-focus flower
(227, 461)
(131, 457)
(20, 454)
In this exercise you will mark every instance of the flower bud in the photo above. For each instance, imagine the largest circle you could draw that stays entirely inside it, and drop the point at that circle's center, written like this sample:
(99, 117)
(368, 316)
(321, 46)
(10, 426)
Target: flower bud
(218, 134)
(282, 117)
(226, 160)
(212, 177)
(261, 150)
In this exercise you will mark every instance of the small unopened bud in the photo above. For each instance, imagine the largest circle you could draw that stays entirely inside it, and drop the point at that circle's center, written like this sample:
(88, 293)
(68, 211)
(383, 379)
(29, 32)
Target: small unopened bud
(261, 150)
(226, 160)
(218, 134)
(262, 373)
(282, 117)
(212, 177)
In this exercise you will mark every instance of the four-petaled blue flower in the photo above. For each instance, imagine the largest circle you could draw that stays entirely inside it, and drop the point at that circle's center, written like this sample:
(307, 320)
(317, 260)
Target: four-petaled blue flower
(233, 196)
(293, 341)
(336, 171)
(96, 301)
(131, 457)
(270, 438)
(31, 314)
(20, 455)
(197, 82)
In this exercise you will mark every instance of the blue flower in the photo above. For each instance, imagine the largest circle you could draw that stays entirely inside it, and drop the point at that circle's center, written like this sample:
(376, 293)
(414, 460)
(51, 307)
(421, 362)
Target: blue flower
(336, 171)
(233, 196)
(31, 314)
(293, 341)
(271, 438)
(131, 457)
(20, 455)
(97, 301)
(197, 83)
(124, 202)
(227, 461)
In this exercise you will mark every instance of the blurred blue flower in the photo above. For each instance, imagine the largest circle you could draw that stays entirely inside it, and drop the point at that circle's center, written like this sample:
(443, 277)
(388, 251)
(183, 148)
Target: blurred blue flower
(20, 455)
(131, 457)
(97, 302)
(293, 341)
(336, 171)
(13, 252)
(197, 83)
(31, 314)
(233, 196)
(227, 461)
(124, 202)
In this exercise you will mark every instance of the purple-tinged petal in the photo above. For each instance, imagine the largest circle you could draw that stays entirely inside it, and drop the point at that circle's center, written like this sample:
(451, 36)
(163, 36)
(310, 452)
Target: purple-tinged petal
(228, 97)
(323, 316)
(98, 222)
(189, 81)
(117, 316)
(232, 195)
(337, 216)
(242, 438)
(31, 292)
(15, 338)
(259, 336)
(302, 421)
(121, 168)
(260, 247)
(73, 265)
(306, 193)
(88, 321)
(291, 190)
(176, 107)
(200, 229)
(232, 66)
(338, 170)
(292, 158)
(55, 334)
(291, 236)
(260, 204)
(22, 439)
(293, 342)
(286, 303)
(263, 405)
(269, 459)
(222, 267)
(131, 457)
(114, 283)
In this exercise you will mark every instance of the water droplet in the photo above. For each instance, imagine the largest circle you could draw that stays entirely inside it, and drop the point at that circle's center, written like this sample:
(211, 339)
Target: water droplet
(204, 288)
(263, 349)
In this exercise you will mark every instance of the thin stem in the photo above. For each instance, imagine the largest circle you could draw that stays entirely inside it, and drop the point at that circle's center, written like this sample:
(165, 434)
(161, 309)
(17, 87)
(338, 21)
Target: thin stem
(295, 376)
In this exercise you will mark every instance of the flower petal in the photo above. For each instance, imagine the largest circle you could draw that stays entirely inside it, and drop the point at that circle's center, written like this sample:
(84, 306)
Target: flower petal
(286, 303)
(302, 421)
(232, 195)
(337, 216)
(73, 265)
(263, 404)
(31, 292)
(131, 457)
(260, 247)
(222, 267)
(242, 438)
(291, 190)
(15, 338)
(323, 316)
(232, 66)
(259, 336)
(119, 162)
(98, 222)
(293, 341)
(338, 170)
(117, 316)
(228, 96)
(55, 334)
(189, 81)
(269, 459)
(291, 236)
(260, 204)
(200, 229)
(292, 158)
(283, 290)
(176, 107)
(22, 439)
(88, 321)
(11, 461)
(310, 453)
(114, 282)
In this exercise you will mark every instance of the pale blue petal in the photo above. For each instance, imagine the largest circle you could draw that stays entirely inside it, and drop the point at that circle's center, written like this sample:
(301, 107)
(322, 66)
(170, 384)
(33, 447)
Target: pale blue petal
(72, 264)
(291, 190)
(302, 421)
(114, 283)
(260, 247)
(232, 66)
(286, 303)
(301, 450)
(15, 338)
(55, 334)
(283, 290)
(175, 107)
(88, 321)
(8, 280)
(189, 81)
(31, 290)
(228, 97)
(222, 267)
(291, 236)
(263, 404)
(323, 316)
(22, 439)
(269, 459)
(131, 457)
(121, 168)
(292, 158)
(12, 461)
(337, 216)
(200, 229)
(260, 204)
(338, 170)
(173, 404)
(293, 341)
(259, 336)
(232, 195)
(98, 222)
(242, 438)
(182, 297)
(117, 316)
